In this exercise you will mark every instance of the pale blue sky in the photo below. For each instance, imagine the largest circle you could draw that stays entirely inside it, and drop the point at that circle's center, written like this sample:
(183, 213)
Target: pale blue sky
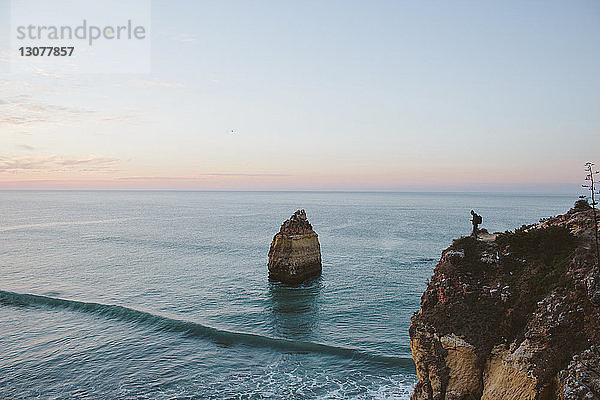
(390, 95)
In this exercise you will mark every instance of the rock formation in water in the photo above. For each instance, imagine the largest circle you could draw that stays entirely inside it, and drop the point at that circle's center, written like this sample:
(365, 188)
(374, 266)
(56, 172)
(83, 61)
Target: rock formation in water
(295, 253)
(513, 316)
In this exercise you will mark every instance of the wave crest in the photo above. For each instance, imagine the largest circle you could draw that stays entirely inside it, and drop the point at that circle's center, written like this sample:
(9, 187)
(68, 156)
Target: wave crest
(198, 330)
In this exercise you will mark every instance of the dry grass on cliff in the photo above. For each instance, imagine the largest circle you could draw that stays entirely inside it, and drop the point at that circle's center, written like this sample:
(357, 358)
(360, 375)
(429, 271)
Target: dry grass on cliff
(465, 296)
(538, 257)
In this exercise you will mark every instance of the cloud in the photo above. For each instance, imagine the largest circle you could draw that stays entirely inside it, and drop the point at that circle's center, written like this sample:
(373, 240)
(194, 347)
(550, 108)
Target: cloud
(179, 37)
(159, 83)
(55, 163)
(27, 105)
(199, 176)
(93, 160)
(42, 72)
(121, 118)
(186, 38)
(243, 174)
(22, 110)
(149, 178)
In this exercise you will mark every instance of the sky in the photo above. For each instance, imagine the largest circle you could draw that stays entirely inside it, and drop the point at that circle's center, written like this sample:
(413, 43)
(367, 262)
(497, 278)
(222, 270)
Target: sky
(318, 95)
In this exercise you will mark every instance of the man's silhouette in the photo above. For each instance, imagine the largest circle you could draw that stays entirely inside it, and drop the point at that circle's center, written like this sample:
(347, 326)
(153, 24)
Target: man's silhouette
(476, 221)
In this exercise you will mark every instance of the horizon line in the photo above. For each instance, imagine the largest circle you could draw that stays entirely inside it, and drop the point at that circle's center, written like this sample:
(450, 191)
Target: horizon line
(289, 191)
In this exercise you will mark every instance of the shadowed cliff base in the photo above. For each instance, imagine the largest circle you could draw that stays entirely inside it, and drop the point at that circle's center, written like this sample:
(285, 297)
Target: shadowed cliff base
(515, 317)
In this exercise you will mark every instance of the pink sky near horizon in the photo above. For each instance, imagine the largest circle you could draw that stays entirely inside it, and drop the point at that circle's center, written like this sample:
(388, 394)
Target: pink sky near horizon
(407, 180)
(499, 97)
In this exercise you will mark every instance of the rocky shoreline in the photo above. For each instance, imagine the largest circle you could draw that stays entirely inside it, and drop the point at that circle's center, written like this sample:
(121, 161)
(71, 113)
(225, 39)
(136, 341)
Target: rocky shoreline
(515, 316)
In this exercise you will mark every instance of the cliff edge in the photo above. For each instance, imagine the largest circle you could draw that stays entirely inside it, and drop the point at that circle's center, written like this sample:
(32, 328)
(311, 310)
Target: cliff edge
(295, 253)
(515, 316)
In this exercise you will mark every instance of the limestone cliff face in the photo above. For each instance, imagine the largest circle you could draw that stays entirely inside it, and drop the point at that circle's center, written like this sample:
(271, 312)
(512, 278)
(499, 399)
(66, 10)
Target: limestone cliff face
(513, 316)
(295, 253)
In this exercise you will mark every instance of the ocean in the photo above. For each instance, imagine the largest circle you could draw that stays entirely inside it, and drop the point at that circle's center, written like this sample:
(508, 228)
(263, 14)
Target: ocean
(164, 294)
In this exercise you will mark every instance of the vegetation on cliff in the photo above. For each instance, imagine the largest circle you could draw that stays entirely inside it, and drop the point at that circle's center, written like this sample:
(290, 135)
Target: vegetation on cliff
(523, 305)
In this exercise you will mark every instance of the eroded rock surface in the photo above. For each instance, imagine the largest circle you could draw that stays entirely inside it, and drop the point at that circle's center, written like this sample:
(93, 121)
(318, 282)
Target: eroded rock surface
(295, 253)
(513, 317)
(581, 379)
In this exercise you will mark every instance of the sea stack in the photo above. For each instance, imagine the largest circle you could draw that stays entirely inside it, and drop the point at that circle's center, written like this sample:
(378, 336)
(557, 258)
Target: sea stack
(295, 253)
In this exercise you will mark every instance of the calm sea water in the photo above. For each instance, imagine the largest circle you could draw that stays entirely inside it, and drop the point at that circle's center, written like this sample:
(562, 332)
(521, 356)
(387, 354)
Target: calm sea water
(164, 295)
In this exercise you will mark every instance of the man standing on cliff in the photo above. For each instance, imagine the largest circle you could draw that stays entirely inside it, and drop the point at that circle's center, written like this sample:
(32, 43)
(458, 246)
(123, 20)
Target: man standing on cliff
(476, 221)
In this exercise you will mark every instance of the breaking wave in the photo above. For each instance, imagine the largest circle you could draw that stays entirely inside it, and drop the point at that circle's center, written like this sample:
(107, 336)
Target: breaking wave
(198, 330)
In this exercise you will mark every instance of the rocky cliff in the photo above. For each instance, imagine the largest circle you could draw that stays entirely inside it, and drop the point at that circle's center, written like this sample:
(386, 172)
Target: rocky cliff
(295, 253)
(513, 316)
